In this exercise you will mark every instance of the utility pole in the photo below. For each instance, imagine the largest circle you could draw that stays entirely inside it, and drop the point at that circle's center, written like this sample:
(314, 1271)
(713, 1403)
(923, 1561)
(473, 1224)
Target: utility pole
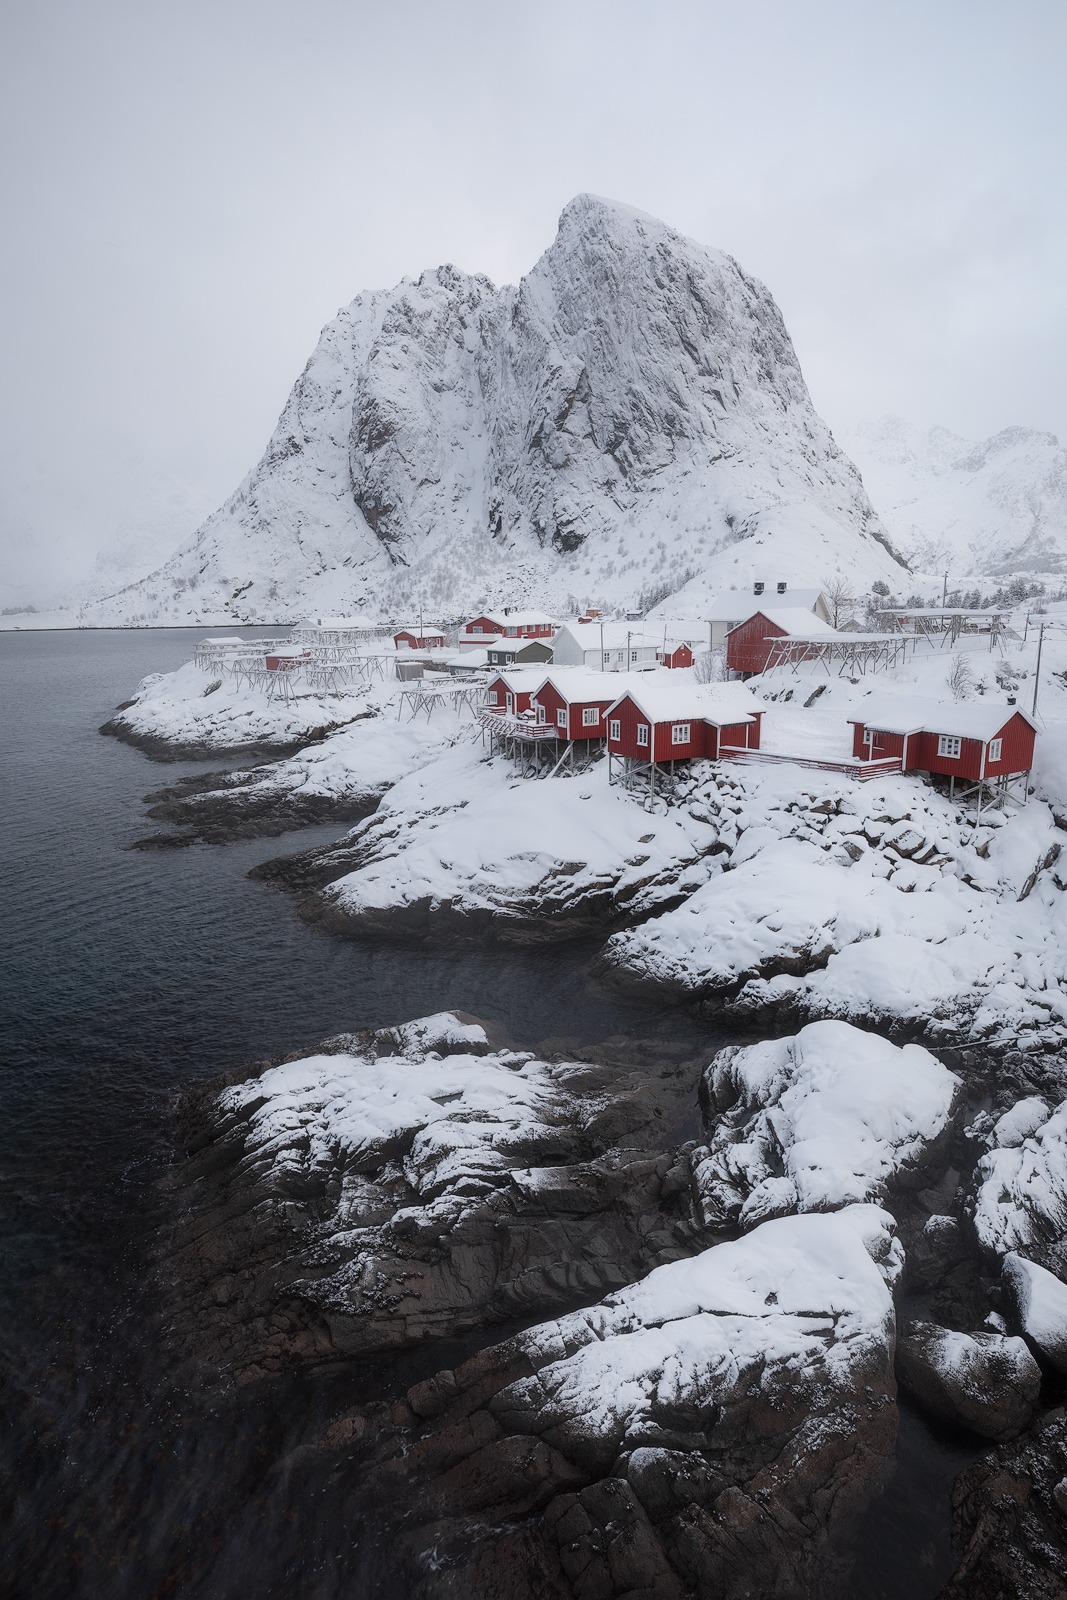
(1037, 669)
(944, 593)
(601, 646)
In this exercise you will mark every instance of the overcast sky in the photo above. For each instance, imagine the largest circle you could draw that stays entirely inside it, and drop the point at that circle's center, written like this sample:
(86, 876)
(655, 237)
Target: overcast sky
(191, 190)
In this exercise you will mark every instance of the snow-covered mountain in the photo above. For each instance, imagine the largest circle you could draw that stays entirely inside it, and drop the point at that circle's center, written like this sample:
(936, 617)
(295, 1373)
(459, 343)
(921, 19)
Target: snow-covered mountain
(955, 505)
(631, 416)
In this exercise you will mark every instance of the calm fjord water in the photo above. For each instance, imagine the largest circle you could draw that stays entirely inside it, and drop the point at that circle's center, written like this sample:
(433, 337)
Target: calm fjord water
(125, 975)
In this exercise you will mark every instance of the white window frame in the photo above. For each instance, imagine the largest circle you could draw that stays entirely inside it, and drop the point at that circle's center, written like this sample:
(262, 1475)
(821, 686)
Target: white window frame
(642, 734)
(868, 735)
(634, 655)
(949, 745)
(620, 655)
(996, 750)
(491, 697)
(680, 732)
(475, 628)
(590, 717)
(614, 729)
(561, 716)
(540, 711)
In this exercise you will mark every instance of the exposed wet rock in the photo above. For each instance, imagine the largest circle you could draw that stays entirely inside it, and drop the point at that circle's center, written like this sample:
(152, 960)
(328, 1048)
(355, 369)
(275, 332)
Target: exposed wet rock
(981, 1381)
(1009, 1515)
(158, 747)
(700, 1431)
(414, 1183)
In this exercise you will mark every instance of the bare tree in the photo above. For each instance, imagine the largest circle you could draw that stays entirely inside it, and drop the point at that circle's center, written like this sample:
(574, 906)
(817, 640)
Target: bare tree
(839, 599)
(710, 666)
(960, 679)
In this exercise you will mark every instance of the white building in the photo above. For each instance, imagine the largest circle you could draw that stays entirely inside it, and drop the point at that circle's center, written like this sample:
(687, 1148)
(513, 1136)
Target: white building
(608, 646)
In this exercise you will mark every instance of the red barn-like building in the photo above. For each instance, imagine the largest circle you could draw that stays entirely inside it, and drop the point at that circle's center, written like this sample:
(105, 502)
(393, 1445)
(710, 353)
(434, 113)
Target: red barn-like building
(676, 655)
(428, 639)
(655, 721)
(749, 644)
(976, 740)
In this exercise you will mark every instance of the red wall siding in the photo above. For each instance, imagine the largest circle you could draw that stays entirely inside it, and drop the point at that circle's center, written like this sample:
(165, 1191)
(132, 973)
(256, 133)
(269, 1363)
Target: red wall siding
(484, 623)
(1018, 752)
(626, 744)
(746, 646)
(682, 657)
(666, 750)
(521, 698)
(743, 734)
(553, 701)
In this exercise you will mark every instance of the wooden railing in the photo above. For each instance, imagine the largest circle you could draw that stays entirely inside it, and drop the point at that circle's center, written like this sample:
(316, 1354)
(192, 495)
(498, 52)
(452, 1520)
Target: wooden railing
(862, 771)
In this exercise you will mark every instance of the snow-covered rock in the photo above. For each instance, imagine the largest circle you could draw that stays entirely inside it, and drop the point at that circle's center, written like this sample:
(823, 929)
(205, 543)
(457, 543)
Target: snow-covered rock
(981, 1381)
(1020, 1201)
(344, 777)
(828, 1118)
(722, 1414)
(412, 1183)
(632, 413)
(1036, 1303)
(997, 506)
(879, 902)
(463, 848)
(191, 713)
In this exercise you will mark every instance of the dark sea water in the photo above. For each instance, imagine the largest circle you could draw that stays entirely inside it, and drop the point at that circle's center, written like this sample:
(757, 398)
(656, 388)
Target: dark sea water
(124, 975)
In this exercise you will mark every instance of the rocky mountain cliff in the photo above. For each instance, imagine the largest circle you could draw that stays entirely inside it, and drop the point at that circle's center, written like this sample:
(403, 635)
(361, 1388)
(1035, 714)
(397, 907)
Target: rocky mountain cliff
(952, 504)
(632, 415)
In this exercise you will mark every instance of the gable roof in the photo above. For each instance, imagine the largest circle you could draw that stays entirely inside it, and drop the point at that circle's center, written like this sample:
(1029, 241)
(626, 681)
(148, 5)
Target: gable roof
(969, 719)
(641, 635)
(516, 619)
(794, 620)
(721, 704)
(576, 684)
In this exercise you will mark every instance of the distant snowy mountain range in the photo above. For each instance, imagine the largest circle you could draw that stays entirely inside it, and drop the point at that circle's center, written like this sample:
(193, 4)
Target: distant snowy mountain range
(955, 505)
(630, 417)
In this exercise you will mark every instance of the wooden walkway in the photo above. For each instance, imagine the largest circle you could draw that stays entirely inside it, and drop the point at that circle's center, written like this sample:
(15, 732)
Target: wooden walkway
(862, 771)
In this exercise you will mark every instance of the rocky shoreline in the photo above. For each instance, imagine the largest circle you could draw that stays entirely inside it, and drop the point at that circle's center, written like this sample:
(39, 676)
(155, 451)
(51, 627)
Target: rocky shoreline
(739, 1258)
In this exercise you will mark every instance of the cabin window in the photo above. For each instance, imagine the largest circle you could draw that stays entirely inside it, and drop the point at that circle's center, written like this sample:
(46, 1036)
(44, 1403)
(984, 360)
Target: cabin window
(477, 628)
(607, 658)
(642, 733)
(621, 655)
(491, 697)
(510, 633)
(948, 745)
(868, 736)
(615, 729)
(561, 717)
(995, 747)
(590, 716)
(680, 733)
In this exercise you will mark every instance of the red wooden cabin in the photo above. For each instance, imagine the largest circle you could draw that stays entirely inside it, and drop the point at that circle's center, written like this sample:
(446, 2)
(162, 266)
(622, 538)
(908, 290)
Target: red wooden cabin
(676, 655)
(512, 624)
(576, 701)
(510, 692)
(749, 644)
(973, 740)
(429, 639)
(286, 660)
(663, 723)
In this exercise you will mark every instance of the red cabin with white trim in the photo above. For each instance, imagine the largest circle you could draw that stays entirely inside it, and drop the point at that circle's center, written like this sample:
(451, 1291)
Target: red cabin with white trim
(512, 624)
(676, 655)
(510, 692)
(576, 701)
(748, 646)
(660, 723)
(969, 740)
(286, 660)
(412, 639)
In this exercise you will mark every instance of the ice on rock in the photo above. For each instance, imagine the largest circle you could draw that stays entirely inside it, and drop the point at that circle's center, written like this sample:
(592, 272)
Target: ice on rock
(827, 1118)
(1020, 1203)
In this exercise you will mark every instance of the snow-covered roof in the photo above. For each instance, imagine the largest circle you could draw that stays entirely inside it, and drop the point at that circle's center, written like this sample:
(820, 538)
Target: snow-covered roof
(518, 619)
(734, 605)
(718, 703)
(421, 631)
(339, 623)
(587, 683)
(231, 638)
(616, 634)
(520, 677)
(796, 621)
(969, 719)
